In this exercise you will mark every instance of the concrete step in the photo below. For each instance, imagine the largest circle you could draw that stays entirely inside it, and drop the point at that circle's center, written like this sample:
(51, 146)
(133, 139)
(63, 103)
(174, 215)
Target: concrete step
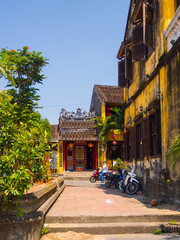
(113, 219)
(104, 228)
(74, 176)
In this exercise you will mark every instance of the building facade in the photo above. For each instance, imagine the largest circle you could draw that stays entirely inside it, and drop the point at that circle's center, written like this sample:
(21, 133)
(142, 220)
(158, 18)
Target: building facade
(104, 98)
(77, 141)
(149, 72)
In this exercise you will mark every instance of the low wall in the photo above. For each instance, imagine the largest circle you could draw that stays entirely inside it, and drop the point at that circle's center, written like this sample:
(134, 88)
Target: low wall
(35, 205)
(167, 191)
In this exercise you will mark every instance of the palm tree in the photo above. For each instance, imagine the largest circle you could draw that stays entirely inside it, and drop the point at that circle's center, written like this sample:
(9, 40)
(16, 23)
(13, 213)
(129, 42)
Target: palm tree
(117, 118)
(114, 121)
(104, 126)
(173, 152)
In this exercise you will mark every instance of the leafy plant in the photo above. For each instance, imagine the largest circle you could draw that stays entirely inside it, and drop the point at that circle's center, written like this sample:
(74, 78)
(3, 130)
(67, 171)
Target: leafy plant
(25, 68)
(44, 230)
(114, 121)
(157, 232)
(20, 213)
(22, 147)
(146, 195)
(119, 164)
(173, 152)
(173, 222)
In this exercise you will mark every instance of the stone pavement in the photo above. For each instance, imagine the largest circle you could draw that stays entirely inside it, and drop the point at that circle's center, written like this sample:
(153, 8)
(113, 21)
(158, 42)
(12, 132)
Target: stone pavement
(92, 208)
(85, 198)
(82, 236)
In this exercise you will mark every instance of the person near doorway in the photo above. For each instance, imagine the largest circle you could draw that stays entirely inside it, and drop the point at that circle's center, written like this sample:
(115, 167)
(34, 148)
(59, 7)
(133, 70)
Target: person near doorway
(104, 170)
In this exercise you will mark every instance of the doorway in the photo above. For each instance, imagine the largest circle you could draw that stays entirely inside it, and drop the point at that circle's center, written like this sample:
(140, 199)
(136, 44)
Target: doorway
(89, 158)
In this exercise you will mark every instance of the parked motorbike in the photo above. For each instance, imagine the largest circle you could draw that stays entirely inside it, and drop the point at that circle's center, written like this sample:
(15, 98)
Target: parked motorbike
(113, 179)
(129, 183)
(96, 176)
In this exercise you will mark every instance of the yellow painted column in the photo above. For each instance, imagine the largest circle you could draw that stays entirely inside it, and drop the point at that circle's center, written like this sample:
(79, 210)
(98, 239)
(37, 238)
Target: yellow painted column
(60, 157)
(100, 154)
(103, 115)
(103, 110)
(164, 114)
(169, 8)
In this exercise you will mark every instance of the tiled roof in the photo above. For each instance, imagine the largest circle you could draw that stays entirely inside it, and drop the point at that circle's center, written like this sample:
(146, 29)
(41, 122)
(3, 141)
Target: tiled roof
(76, 124)
(77, 130)
(54, 133)
(110, 94)
(85, 135)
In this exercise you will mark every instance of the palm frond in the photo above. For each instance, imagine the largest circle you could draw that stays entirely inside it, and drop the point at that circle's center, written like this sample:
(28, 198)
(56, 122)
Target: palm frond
(173, 152)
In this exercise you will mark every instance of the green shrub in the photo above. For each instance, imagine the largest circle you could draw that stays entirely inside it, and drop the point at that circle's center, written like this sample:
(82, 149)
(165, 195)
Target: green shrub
(157, 232)
(44, 230)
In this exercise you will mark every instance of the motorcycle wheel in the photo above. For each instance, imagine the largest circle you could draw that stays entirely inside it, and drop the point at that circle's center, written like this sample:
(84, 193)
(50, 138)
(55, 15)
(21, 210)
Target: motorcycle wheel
(92, 179)
(132, 188)
(121, 186)
(107, 184)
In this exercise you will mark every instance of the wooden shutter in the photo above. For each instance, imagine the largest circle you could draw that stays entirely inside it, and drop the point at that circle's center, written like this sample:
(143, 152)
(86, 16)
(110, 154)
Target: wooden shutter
(125, 147)
(133, 142)
(142, 134)
(146, 138)
(157, 130)
(139, 49)
(122, 81)
(128, 64)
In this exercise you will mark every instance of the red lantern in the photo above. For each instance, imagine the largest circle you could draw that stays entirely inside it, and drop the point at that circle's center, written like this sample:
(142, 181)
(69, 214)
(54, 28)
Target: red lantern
(109, 114)
(71, 145)
(114, 143)
(90, 145)
(114, 136)
(108, 108)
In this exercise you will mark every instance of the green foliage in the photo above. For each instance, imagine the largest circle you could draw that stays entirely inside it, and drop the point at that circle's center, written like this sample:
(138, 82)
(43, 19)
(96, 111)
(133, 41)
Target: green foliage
(173, 222)
(5, 70)
(173, 152)
(104, 126)
(114, 121)
(44, 230)
(119, 164)
(147, 195)
(23, 143)
(25, 70)
(117, 118)
(157, 232)
(20, 213)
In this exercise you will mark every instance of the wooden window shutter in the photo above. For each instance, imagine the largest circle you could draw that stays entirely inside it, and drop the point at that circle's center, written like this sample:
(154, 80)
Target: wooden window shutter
(178, 3)
(125, 147)
(122, 81)
(142, 36)
(142, 134)
(139, 49)
(146, 136)
(157, 131)
(133, 142)
(128, 64)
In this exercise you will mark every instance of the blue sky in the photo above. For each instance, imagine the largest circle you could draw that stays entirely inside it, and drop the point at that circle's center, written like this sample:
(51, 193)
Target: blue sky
(80, 38)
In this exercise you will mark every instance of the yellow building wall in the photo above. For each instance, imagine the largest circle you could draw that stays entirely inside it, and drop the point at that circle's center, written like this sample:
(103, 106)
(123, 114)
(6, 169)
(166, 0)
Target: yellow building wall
(60, 157)
(102, 150)
(167, 10)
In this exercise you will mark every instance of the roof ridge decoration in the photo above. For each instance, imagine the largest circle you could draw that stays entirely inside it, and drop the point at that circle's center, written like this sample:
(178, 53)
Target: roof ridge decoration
(78, 115)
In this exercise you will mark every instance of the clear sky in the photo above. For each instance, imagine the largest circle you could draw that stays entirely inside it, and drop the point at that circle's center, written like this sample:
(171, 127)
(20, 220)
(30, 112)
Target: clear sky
(80, 38)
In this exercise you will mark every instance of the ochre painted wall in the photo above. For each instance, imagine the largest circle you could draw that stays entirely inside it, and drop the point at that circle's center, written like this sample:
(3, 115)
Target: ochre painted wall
(160, 81)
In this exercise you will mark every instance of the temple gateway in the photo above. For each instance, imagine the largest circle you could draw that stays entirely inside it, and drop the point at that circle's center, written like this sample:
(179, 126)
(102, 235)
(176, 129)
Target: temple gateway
(77, 141)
